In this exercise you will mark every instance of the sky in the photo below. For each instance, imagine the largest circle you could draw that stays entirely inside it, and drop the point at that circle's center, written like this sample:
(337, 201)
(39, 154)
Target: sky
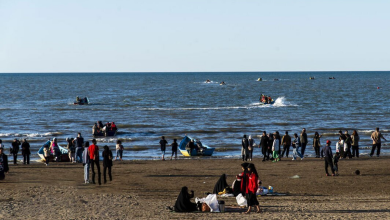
(194, 35)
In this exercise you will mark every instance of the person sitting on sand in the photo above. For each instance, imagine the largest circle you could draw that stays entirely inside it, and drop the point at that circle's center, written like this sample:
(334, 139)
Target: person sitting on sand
(251, 189)
(183, 202)
(221, 187)
(55, 150)
(3, 162)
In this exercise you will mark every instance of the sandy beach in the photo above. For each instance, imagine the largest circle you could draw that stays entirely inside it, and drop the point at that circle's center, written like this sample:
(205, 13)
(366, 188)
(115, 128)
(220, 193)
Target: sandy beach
(143, 190)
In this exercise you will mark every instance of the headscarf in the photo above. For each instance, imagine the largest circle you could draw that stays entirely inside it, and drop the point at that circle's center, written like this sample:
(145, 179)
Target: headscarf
(253, 169)
(244, 178)
(220, 185)
(183, 203)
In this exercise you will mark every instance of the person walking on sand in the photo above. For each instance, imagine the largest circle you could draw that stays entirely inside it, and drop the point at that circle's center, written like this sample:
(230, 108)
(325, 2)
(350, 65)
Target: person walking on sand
(251, 145)
(317, 144)
(355, 144)
(326, 152)
(107, 162)
(251, 188)
(264, 146)
(79, 143)
(93, 151)
(376, 142)
(296, 144)
(244, 149)
(303, 141)
(119, 150)
(15, 150)
(86, 161)
(3, 162)
(276, 149)
(286, 143)
(163, 146)
(26, 152)
(174, 146)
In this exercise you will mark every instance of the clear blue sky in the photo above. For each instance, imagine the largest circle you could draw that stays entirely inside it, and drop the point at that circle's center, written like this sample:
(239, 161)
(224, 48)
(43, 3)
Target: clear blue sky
(194, 35)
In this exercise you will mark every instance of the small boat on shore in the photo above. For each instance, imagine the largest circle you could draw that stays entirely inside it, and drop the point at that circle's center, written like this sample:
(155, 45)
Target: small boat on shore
(205, 151)
(64, 157)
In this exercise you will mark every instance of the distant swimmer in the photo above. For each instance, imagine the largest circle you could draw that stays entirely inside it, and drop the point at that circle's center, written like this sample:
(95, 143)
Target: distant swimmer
(276, 79)
(332, 77)
(312, 77)
(378, 87)
(222, 83)
(208, 81)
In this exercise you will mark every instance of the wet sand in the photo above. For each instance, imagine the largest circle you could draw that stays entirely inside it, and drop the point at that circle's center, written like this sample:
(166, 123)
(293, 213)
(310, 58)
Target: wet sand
(143, 189)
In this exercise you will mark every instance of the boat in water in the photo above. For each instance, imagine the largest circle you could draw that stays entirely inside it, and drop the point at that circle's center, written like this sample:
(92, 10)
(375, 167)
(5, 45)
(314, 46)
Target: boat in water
(260, 79)
(64, 157)
(266, 100)
(84, 101)
(204, 151)
(222, 83)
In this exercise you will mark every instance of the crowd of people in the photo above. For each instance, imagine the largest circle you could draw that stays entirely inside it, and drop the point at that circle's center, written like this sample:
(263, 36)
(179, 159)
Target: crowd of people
(99, 129)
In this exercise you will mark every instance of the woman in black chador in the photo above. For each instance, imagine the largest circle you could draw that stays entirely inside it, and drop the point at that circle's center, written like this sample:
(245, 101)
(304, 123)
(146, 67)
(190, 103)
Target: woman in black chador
(183, 203)
(221, 185)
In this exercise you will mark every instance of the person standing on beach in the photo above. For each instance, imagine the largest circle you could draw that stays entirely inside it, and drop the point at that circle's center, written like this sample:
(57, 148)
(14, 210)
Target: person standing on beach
(355, 144)
(107, 162)
(347, 145)
(303, 141)
(264, 146)
(286, 143)
(341, 144)
(270, 144)
(93, 151)
(163, 145)
(376, 142)
(327, 153)
(251, 144)
(296, 144)
(15, 150)
(244, 149)
(3, 162)
(71, 149)
(276, 149)
(174, 149)
(317, 144)
(251, 188)
(86, 161)
(46, 152)
(119, 150)
(26, 152)
(79, 142)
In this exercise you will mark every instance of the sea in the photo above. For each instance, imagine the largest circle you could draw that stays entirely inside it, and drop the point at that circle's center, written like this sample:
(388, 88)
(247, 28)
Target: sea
(146, 106)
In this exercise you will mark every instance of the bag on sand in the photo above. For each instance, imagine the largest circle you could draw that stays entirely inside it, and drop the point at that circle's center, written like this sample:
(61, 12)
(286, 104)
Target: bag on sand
(241, 201)
(205, 207)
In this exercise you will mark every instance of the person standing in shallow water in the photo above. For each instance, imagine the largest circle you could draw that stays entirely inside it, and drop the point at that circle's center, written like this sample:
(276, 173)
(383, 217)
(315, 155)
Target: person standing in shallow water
(26, 152)
(376, 142)
(93, 151)
(3, 162)
(303, 141)
(107, 162)
(163, 145)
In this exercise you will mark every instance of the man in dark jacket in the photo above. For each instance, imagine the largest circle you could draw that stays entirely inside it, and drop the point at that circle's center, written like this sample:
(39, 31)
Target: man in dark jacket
(15, 149)
(303, 141)
(326, 153)
(79, 143)
(264, 146)
(245, 150)
(3, 163)
(26, 152)
(286, 143)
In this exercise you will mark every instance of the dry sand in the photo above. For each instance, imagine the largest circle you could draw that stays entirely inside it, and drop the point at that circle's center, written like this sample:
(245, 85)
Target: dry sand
(143, 190)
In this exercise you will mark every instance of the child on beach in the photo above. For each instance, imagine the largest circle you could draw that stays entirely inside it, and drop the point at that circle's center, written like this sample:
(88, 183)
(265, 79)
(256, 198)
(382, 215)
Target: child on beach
(336, 159)
(174, 148)
(163, 144)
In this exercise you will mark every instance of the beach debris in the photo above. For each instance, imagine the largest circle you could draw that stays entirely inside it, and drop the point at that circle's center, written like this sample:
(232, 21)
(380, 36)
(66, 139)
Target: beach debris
(295, 177)
(357, 172)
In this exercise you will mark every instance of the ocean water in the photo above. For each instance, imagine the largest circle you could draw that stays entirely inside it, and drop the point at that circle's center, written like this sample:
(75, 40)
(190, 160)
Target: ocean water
(146, 106)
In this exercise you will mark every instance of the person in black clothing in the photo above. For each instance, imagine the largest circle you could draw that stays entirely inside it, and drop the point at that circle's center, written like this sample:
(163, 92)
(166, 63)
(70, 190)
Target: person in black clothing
(79, 143)
(270, 142)
(303, 141)
(26, 152)
(107, 162)
(183, 202)
(163, 145)
(221, 185)
(3, 163)
(15, 149)
(264, 146)
(327, 153)
(245, 150)
(348, 141)
(174, 148)
(190, 146)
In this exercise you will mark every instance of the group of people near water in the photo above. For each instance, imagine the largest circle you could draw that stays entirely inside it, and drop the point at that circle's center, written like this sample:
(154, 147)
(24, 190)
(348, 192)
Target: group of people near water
(100, 129)
(14, 150)
(246, 184)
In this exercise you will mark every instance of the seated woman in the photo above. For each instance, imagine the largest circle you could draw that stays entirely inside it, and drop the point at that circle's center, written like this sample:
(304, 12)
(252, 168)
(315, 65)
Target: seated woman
(221, 187)
(183, 203)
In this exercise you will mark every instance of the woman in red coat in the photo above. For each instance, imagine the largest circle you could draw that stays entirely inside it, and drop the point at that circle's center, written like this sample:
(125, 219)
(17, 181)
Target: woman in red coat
(252, 186)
